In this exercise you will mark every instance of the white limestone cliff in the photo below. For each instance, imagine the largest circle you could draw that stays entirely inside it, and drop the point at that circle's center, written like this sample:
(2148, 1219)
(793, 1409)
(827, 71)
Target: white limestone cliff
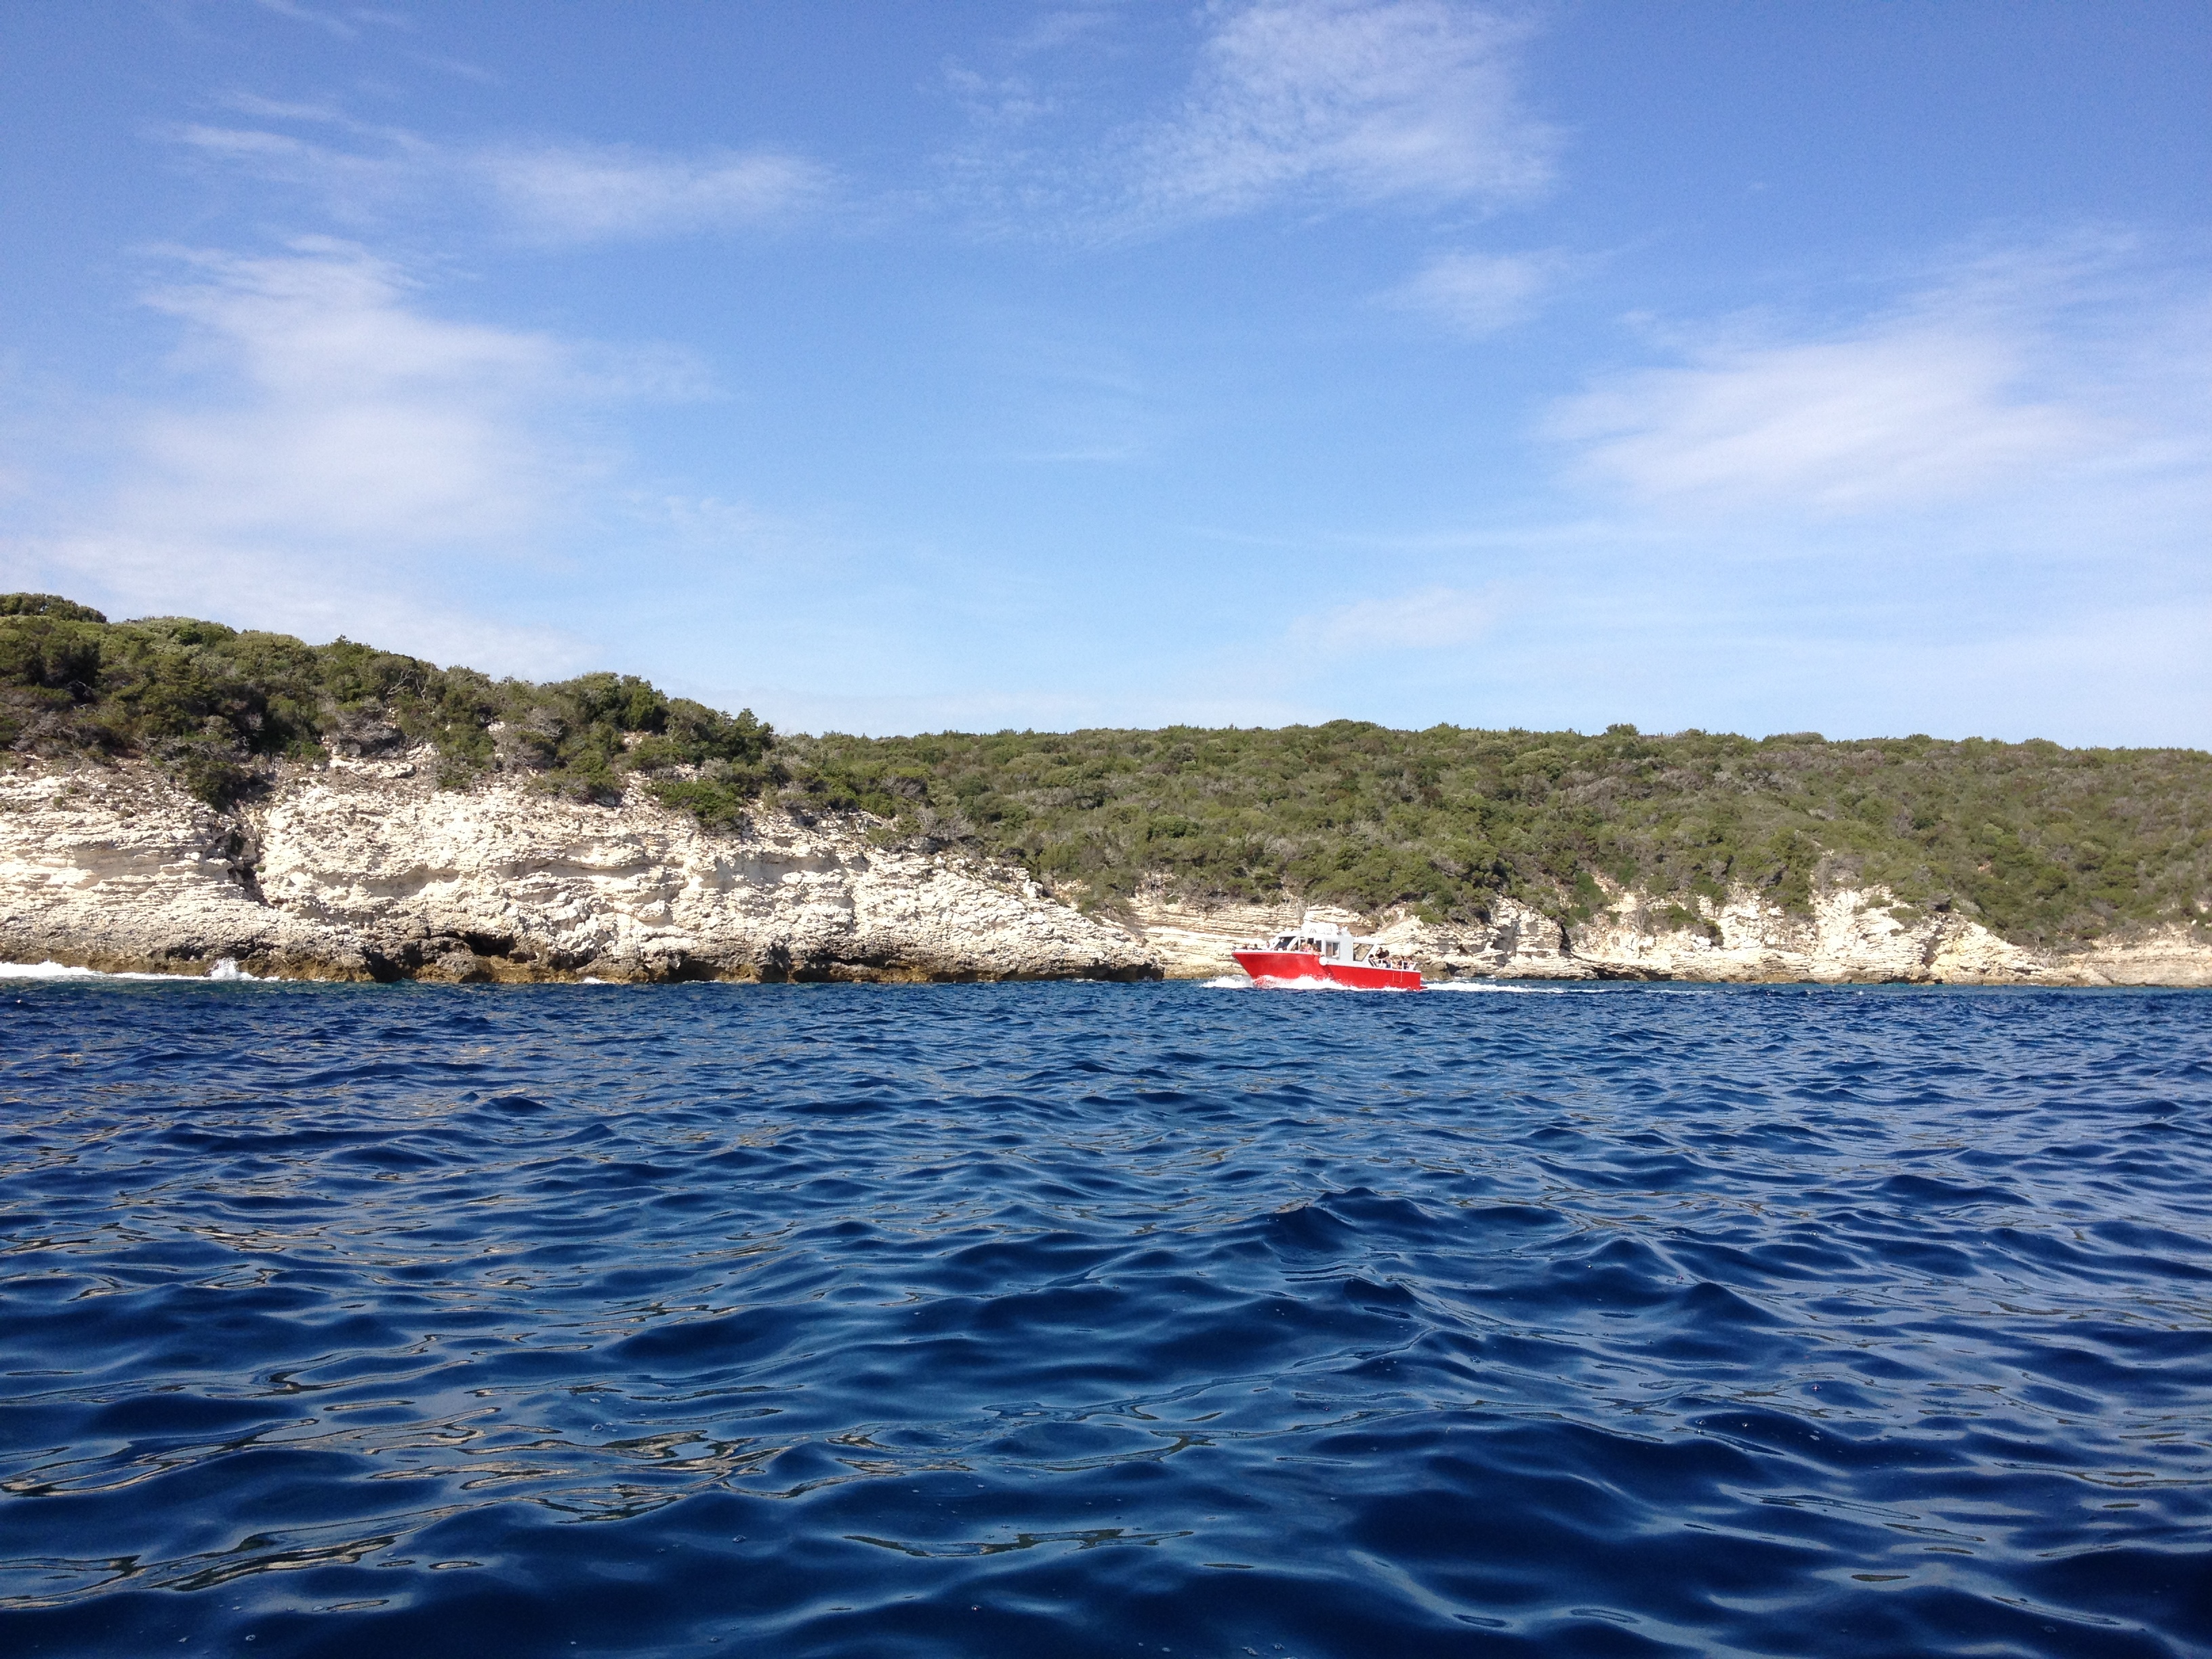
(1854, 935)
(1863, 934)
(362, 870)
(1194, 941)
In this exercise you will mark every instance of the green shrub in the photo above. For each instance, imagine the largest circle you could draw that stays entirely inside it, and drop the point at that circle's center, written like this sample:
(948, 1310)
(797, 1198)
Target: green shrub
(215, 707)
(47, 604)
(2043, 844)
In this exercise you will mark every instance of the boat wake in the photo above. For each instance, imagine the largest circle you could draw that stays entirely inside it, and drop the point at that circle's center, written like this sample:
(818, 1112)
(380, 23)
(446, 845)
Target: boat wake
(1486, 987)
(1492, 987)
(1239, 982)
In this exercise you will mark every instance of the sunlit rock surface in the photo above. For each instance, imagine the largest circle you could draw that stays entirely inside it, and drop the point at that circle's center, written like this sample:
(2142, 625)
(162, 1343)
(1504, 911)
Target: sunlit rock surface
(363, 870)
(1853, 935)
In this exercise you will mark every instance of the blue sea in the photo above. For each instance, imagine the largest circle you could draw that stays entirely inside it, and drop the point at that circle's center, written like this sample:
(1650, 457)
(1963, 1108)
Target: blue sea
(1075, 1319)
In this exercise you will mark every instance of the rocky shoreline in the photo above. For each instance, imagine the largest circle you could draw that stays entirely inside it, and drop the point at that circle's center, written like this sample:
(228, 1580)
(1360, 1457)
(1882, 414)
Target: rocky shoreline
(364, 870)
(1854, 936)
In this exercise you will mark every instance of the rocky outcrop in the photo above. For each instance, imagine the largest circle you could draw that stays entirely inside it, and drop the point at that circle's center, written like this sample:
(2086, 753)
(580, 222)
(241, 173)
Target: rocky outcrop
(361, 870)
(1852, 936)
(121, 872)
(1194, 940)
(1862, 935)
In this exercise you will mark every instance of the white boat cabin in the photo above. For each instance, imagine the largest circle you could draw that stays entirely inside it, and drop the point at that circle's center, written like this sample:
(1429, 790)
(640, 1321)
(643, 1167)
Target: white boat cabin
(1326, 940)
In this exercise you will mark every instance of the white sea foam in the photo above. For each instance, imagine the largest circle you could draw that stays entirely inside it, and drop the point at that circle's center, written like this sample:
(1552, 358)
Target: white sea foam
(226, 970)
(58, 970)
(1238, 982)
(1493, 988)
(1490, 987)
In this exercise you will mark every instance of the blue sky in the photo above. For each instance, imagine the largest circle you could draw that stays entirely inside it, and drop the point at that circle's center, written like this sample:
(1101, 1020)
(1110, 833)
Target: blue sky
(899, 366)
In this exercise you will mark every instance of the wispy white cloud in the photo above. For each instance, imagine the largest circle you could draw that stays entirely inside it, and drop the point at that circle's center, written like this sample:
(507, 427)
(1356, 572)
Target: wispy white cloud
(1985, 387)
(344, 22)
(552, 192)
(1476, 295)
(348, 410)
(1435, 618)
(300, 13)
(586, 194)
(1309, 104)
(336, 457)
(1011, 96)
(391, 170)
(1058, 26)
(1339, 100)
(459, 68)
(1006, 102)
(1900, 415)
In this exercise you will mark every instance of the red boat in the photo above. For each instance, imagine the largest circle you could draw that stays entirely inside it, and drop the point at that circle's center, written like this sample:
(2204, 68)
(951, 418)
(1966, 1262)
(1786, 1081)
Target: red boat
(1321, 956)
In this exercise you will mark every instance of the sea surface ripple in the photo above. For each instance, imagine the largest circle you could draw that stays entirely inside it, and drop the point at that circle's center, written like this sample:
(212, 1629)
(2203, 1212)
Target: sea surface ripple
(1077, 1320)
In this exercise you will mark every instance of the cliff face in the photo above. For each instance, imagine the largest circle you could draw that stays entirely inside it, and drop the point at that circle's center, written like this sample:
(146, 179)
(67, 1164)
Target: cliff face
(1857, 934)
(1854, 935)
(362, 870)
(1195, 941)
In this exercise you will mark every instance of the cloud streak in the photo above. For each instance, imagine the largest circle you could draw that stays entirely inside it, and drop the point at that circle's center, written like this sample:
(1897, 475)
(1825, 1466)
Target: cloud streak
(1983, 389)
(1310, 105)
(1477, 294)
(1436, 618)
(580, 194)
(1333, 100)
(352, 412)
(1898, 416)
(337, 457)
(562, 193)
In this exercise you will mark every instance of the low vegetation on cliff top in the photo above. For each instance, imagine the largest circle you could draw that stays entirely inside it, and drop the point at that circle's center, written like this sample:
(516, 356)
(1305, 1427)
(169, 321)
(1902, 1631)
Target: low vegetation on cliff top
(217, 708)
(2046, 845)
(2042, 843)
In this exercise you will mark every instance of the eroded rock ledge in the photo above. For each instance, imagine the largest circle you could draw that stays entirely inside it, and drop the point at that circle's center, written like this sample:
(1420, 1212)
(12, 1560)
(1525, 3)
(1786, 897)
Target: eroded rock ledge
(362, 870)
(1854, 936)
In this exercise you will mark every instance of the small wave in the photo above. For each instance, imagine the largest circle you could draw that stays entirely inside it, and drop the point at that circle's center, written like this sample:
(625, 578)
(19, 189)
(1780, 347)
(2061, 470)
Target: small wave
(861, 1326)
(62, 970)
(227, 970)
(1239, 982)
(1493, 988)
(1304, 985)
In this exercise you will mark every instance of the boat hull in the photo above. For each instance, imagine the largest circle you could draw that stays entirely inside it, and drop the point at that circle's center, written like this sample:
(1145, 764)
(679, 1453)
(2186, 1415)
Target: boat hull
(1303, 969)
